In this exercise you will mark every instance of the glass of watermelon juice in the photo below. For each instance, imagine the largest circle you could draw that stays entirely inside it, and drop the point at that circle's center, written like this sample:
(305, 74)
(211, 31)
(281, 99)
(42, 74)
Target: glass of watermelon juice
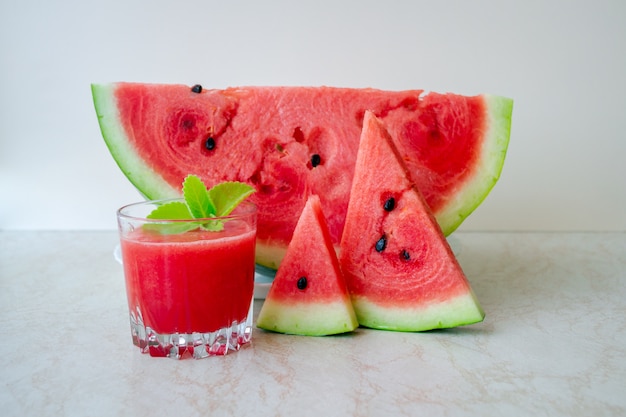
(189, 286)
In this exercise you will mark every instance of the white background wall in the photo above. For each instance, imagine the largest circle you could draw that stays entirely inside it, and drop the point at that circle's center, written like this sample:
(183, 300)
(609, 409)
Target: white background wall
(564, 63)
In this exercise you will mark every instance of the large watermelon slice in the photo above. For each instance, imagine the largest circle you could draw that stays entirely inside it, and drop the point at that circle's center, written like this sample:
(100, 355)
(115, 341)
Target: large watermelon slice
(309, 295)
(291, 142)
(399, 268)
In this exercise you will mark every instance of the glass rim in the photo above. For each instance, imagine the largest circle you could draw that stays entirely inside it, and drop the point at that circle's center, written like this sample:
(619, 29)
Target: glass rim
(249, 208)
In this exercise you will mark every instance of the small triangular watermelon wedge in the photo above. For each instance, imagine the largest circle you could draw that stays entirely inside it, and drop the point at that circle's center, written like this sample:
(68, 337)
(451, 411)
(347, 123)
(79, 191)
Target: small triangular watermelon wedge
(309, 295)
(399, 268)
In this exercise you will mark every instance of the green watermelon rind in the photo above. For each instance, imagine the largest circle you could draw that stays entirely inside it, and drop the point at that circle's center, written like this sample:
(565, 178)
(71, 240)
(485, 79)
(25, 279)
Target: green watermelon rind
(453, 312)
(147, 181)
(499, 111)
(314, 319)
(268, 255)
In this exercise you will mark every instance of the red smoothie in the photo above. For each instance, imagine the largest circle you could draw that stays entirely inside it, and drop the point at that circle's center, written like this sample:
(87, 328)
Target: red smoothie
(197, 281)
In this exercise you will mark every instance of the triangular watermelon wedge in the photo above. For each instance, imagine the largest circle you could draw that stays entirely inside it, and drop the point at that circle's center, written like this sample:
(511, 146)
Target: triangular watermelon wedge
(308, 295)
(400, 270)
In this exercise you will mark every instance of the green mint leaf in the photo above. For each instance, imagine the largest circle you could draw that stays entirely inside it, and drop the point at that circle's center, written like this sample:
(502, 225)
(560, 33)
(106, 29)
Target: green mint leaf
(199, 203)
(197, 198)
(176, 210)
(227, 195)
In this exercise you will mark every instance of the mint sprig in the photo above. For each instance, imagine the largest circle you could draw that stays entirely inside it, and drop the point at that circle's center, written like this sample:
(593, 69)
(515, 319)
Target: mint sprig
(200, 203)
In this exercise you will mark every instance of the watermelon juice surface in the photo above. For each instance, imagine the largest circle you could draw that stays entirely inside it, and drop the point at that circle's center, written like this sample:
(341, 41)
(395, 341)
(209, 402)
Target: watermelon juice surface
(189, 292)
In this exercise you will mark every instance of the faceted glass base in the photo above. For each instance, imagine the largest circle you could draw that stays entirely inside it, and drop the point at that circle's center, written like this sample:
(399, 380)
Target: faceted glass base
(190, 345)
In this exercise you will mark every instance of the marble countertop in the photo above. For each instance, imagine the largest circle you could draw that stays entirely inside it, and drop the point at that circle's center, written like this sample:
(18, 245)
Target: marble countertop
(553, 341)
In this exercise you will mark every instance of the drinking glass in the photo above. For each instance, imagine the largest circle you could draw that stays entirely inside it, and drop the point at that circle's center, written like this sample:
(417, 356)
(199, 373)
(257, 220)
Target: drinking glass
(189, 283)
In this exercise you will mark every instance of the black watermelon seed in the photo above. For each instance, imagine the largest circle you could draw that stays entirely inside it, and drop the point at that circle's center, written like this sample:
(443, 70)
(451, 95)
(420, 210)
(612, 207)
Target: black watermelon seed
(302, 283)
(390, 204)
(381, 244)
(196, 88)
(210, 143)
(405, 255)
(315, 160)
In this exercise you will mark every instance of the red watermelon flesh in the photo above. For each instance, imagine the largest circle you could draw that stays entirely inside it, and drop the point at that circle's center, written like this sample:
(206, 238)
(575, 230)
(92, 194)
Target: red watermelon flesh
(309, 295)
(291, 142)
(399, 268)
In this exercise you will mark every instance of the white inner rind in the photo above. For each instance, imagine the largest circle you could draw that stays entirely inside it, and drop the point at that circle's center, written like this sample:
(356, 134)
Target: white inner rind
(315, 319)
(142, 176)
(457, 311)
(487, 173)
(269, 255)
